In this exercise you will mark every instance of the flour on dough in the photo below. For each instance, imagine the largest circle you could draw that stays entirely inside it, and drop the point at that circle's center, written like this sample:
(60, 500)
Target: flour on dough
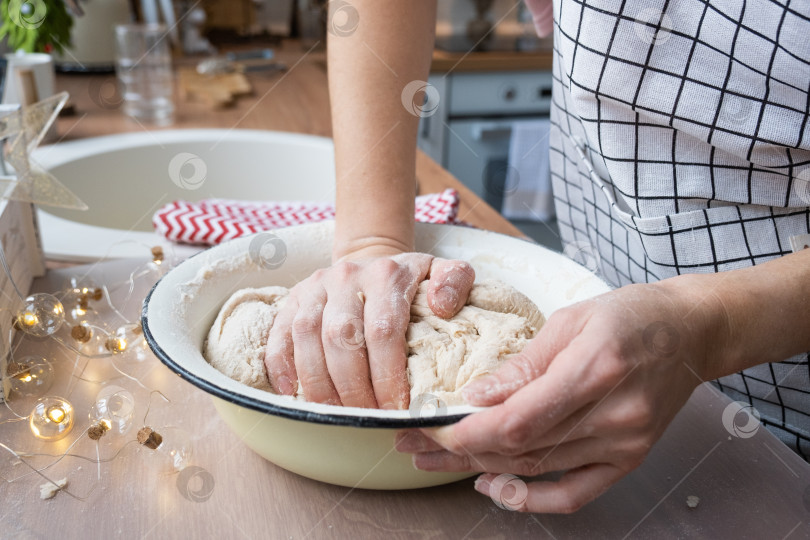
(443, 355)
(235, 344)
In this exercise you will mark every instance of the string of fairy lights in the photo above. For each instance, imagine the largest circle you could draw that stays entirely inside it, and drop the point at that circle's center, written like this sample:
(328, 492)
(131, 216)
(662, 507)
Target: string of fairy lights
(83, 319)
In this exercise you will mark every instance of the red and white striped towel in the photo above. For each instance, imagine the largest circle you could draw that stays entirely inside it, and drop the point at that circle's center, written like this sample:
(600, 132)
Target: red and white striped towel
(212, 221)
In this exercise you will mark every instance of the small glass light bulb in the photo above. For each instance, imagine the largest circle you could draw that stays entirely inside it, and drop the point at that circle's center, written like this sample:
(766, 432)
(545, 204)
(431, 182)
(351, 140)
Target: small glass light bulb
(40, 315)
(78, 294)
(81, 333)
(99, 429)
(169, 448)
(125, 337)
(82, 287)
(115, 407)
(116, 344)
(80, 310)
(56, 414)
(30, 376)
(157, 255)
(51, 419)
(176, 448)
(143, 352)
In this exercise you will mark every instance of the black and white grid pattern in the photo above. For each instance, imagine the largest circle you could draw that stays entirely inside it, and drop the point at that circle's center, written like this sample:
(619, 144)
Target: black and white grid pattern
(680, 143)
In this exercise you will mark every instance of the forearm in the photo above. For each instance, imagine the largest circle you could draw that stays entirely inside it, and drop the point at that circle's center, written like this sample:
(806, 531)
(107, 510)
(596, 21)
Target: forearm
(758, 314)
(375, 136)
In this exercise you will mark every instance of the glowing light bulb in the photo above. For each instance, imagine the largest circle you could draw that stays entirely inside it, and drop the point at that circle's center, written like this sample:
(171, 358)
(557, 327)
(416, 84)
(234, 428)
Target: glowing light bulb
(30, 376)
(157, 255)
(78, 288)
(79, 314)
(80, 310)
(116, 344)
(125, 337)
(56, 414)
(40, 315)
(77, 299)
(114, 408)
(51, 419)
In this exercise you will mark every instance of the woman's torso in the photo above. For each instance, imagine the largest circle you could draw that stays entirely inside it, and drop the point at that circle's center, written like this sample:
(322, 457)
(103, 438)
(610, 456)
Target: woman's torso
(692, 119)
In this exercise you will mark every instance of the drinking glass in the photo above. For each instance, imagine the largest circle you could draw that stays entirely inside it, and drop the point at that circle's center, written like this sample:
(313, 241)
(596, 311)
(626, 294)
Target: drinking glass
(144, 68)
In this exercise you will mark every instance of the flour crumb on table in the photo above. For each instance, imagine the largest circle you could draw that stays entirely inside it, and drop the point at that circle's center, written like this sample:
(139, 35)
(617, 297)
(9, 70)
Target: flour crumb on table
(443, 354)
(49, 490)
(692, 501)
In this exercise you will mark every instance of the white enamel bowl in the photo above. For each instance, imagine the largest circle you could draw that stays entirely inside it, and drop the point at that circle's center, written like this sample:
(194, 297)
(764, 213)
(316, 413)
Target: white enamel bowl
(340, 445)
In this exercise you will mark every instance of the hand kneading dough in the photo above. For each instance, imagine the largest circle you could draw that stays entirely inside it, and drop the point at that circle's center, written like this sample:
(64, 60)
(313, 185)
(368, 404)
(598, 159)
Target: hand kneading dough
(443, 355)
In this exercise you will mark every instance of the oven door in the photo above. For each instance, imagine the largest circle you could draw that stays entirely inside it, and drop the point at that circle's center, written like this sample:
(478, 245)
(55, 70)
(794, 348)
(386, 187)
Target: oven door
(478, 153)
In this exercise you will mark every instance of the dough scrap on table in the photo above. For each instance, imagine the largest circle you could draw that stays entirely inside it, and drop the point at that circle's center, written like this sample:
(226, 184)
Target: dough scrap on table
(443, 354)
(49, 490)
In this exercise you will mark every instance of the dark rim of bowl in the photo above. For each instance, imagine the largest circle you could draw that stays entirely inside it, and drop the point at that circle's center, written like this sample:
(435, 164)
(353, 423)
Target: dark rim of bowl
(278, 410)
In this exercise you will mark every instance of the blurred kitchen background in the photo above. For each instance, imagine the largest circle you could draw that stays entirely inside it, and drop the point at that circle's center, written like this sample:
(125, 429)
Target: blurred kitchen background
(491, 75)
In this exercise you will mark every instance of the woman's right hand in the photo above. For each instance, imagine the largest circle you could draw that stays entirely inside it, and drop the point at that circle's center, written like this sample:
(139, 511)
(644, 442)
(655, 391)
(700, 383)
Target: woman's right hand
(342, 331)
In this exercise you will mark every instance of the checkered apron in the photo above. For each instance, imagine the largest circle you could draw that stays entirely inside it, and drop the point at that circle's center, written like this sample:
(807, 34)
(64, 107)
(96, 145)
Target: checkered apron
(680, 143)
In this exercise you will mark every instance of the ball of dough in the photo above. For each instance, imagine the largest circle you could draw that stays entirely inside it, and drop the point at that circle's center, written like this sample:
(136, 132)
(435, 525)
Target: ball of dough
(443, 354)
(235, 343)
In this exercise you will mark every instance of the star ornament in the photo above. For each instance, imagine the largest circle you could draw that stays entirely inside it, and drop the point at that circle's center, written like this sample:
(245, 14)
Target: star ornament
(22, 129)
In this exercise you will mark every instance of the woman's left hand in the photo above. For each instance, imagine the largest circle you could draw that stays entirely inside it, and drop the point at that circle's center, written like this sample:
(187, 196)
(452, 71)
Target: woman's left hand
(590, 395)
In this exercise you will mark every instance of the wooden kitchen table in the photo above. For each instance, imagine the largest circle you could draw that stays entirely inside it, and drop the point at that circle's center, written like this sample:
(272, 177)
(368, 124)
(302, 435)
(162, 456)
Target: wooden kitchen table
(748, 487)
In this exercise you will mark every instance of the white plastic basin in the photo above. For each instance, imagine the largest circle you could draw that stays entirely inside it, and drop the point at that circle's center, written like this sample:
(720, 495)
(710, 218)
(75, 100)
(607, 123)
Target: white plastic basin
(125, 178)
